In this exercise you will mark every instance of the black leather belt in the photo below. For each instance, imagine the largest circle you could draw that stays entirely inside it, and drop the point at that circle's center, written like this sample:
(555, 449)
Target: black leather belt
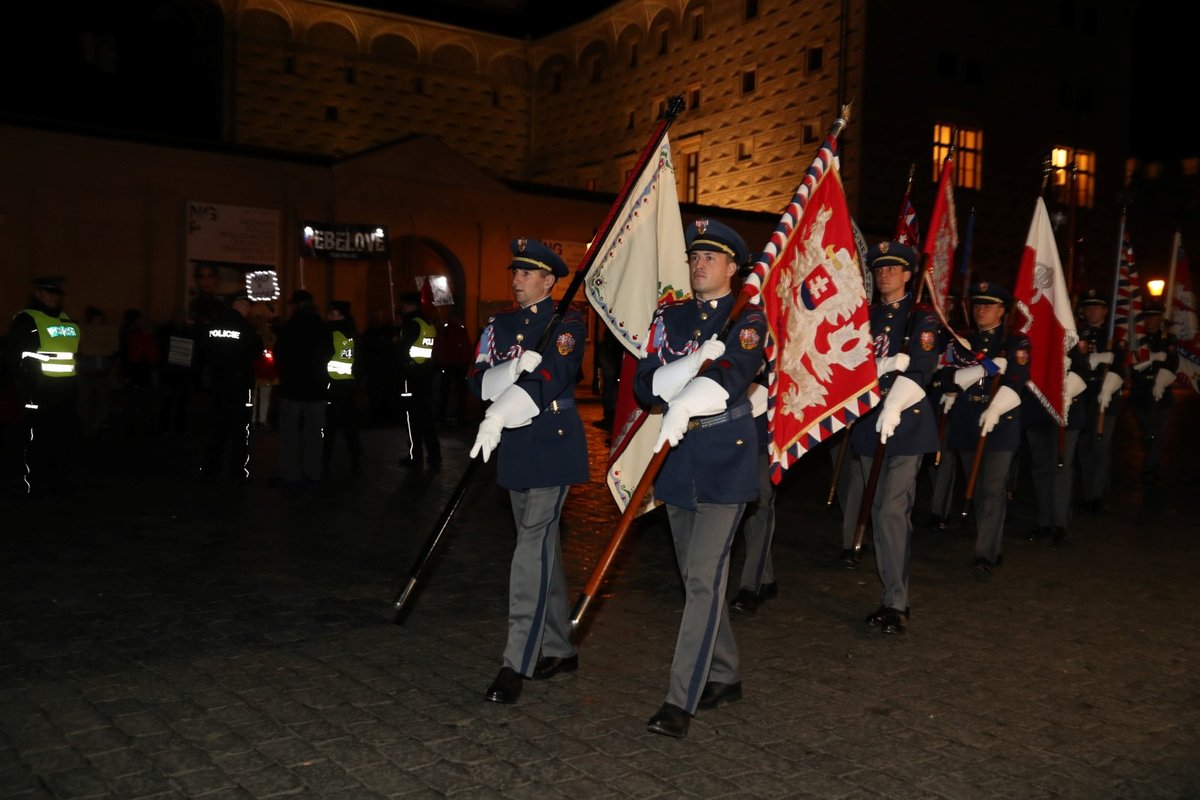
(742, 409)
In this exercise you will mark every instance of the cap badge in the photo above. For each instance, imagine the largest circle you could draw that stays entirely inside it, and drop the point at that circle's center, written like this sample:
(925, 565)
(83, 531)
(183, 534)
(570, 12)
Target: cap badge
(983, 286)
(522, 244)
(883, 247)
(701, 226)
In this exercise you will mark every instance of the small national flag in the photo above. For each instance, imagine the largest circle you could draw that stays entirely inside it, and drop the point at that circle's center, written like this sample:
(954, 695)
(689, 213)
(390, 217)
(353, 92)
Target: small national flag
(1128, 325)
(1041, 296)
(908, 230)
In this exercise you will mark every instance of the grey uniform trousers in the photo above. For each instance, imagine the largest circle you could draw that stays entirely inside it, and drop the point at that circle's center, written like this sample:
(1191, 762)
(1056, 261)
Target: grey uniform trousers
(990, 499)
(1051, 485)
(891, 522)
(538, 619)
(758, 530)
(705, 649)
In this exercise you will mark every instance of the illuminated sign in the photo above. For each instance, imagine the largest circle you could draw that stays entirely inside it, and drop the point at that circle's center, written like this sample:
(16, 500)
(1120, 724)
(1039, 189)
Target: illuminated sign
(356, 242)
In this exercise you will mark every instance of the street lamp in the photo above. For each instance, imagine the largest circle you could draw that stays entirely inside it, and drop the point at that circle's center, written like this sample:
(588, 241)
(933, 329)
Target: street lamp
(1156, 287)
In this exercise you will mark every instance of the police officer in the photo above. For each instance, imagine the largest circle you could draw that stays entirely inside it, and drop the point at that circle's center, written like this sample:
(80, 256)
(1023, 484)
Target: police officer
(533, 422)
(418, 369)
(230, 348)
(1104, 376)
(712, 470)
(42, 345)
(1150, 394)
(341, 409)
(906, 357)
(980, 412)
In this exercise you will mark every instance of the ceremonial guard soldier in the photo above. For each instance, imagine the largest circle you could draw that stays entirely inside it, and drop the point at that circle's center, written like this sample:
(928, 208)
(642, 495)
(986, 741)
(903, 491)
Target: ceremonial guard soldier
(534, 423)
(1150, 394)
(980, 412)
(906, 357)
(1051, 461)
(712, 470)
(1104, 376)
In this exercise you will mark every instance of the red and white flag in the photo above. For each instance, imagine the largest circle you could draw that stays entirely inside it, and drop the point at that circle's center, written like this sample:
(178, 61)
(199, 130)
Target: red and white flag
(639, 265)
(908, 229)
(1041, 296)
(1182, 311)
(942, 242)
(821, 369)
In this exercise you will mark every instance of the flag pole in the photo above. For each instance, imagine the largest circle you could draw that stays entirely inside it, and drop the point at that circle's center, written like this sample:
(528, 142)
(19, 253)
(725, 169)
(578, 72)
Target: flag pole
(675, 106)
(652, 469)
(1176, 243)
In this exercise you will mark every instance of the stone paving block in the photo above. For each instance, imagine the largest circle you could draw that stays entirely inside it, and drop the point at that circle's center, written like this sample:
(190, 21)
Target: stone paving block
(323, 775)
(350, 753)
(315, 731)
(98, 740)
(446, 778)
(272, 780)
(52, 758)
(202, 782)
(290, 752)
(142, 785)
(242, 763)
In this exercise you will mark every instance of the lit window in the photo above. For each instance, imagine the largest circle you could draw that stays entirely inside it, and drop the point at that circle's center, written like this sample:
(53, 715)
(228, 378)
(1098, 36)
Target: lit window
(1061, 158)
(968, 154)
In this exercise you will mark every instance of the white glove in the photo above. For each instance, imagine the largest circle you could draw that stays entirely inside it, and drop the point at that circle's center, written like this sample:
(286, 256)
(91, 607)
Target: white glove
(504, 375)
(1096, 359)
(1162, 379)
(700, 398)
(512, 409)
(896, 363)
(1112, 382)
(757, 394)
(1141, 365)
(1074, 384)
(948, 402)
(904, 393)
(965, 376)
(1004, 401)
(1001, 364)
(669, 379)
(1159, 356)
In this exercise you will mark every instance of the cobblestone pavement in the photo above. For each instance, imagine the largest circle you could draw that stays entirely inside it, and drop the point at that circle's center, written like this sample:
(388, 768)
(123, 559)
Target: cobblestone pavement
(160, 639)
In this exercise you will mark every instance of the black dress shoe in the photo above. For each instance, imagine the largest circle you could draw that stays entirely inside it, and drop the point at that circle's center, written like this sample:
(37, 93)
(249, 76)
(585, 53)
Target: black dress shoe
(1040, 532)
(549, 666)
(893, 621)
(1060, 537)
(670, 721)
(506, 688)
(879, 615)
(745, 603)
(768, 591)
(937, 523)
(849, 558)
(982, 568)
(716, 693)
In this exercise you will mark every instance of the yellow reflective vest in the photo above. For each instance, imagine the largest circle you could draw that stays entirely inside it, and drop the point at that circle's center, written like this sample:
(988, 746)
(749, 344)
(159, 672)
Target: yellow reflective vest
(341, 365)
(57, 345)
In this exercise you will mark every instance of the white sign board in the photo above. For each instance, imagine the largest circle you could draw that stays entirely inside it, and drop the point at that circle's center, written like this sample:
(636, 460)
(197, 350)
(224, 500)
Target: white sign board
(232, 234)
